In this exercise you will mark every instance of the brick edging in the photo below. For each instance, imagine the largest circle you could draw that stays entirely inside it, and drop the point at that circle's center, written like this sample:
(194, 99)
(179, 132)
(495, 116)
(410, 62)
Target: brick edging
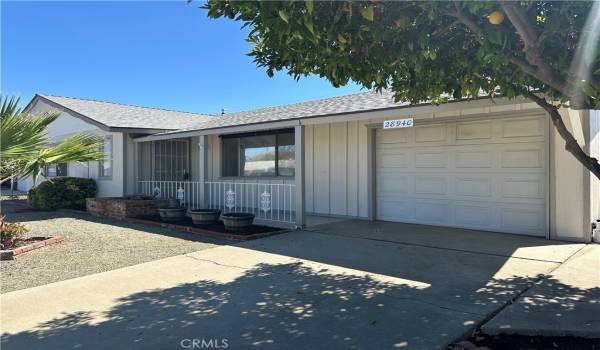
(205, 232)
(188, 229)
(10, 254)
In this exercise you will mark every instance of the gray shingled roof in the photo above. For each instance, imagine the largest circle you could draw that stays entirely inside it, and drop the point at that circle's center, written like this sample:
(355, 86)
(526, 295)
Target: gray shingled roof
(115, 115)
(366, 101)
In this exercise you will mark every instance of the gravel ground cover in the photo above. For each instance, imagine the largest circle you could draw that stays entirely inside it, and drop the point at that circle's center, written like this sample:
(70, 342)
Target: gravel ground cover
(93, 245)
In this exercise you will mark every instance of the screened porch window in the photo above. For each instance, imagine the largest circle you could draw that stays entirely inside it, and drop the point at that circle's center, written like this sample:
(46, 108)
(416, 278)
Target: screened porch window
(258, 154)
(171, 160)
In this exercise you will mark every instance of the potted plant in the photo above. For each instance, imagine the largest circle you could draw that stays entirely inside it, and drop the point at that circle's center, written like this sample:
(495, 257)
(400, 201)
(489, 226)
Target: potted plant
(237, 221)
(204, 216)
(174, 212)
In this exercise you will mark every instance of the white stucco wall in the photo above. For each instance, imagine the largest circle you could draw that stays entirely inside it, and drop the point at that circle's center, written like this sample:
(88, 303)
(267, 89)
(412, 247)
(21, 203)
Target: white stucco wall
(66, 125)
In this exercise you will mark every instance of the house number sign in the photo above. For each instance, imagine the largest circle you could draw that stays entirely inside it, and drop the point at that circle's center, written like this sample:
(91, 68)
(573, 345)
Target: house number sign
(398, 123)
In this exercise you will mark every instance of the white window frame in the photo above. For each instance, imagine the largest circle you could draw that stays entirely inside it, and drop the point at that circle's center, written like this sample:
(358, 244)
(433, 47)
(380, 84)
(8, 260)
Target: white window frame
(109, 158)
(55, 166)
(240, 173)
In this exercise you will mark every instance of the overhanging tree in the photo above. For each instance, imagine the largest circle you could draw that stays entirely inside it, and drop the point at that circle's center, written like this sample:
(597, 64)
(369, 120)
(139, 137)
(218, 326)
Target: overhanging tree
(433, 51)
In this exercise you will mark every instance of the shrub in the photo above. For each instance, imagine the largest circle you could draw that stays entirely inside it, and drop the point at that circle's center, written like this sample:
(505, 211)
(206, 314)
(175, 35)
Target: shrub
(62, 192)
(10, 233)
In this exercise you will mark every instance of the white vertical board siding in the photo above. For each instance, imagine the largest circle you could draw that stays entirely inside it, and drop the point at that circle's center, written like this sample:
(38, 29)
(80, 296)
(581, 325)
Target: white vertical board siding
(352, 166)
(336, 169)
(309, 206)
(214, 158)
(194, 158)
(363, 170)
(321, 169)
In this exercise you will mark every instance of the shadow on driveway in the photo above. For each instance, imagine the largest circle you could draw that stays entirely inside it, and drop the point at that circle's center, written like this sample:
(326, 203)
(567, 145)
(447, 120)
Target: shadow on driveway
(286, 306)
(301, 290)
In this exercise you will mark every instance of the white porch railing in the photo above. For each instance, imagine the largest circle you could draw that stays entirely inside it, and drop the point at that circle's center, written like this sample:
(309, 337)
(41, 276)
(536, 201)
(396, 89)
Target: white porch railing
(267, 201)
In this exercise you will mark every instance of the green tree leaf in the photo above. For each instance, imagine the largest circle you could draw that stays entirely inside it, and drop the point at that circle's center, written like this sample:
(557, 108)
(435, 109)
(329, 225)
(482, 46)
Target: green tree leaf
(368, 13)
(309, 6)
(283, 15)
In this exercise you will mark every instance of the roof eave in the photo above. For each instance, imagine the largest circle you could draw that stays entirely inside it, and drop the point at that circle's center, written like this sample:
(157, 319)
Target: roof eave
(75, 114)
(328, 118)
(92, 121)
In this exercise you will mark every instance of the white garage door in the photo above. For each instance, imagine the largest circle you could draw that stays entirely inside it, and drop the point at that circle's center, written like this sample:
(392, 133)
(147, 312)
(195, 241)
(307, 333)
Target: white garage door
(485, 174)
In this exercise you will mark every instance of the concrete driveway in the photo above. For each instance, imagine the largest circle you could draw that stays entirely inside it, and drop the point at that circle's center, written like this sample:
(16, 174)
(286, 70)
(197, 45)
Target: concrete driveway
(350, 284)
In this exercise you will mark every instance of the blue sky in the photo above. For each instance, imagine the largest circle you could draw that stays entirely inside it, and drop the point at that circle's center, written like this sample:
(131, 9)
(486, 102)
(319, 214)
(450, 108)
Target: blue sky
(157, 54)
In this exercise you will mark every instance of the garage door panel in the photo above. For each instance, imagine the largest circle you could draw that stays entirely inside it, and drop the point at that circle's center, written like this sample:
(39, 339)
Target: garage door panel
(431, 185)
(430, 159)
(393, 136)
(482, 182)
(473, 159)
(473, 186)
(475, 215)
(525, 157)
(395, 210)
(394, 184)
(432, 212)
(522, 219)
(393, 160)
(525, 127)
(524, 187)
(430, 133)
(481, 130)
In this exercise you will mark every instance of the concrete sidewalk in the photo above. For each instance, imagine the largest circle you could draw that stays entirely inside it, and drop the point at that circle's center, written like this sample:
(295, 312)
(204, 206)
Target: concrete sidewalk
(297, 290)
(565, 303)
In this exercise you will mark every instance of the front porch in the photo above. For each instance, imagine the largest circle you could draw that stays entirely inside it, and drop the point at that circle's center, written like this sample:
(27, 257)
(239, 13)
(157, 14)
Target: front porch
(271, 203)
(259, 173)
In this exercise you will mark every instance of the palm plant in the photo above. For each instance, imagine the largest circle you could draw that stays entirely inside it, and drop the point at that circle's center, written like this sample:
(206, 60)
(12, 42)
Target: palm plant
(24, 143)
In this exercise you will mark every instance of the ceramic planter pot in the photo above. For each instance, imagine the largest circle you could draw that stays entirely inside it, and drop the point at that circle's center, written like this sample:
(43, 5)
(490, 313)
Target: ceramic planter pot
(237, 221)
(172, 214)
(204, 216)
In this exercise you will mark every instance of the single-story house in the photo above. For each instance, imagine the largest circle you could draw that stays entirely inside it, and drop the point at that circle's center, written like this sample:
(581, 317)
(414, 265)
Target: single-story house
(491, 165)
(119, 124)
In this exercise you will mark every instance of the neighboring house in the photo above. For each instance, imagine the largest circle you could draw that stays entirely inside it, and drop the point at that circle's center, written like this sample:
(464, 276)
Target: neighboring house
(118, 124)
(487, 165)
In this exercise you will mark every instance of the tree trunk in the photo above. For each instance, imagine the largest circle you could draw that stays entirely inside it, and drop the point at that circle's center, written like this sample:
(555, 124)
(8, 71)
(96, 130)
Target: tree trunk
(571, 144)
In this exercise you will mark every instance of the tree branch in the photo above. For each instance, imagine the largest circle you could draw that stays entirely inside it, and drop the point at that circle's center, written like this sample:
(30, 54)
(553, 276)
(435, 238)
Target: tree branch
(530, 37)
(468, 22)
(528, 34)
(571, 144)
(541, 71)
